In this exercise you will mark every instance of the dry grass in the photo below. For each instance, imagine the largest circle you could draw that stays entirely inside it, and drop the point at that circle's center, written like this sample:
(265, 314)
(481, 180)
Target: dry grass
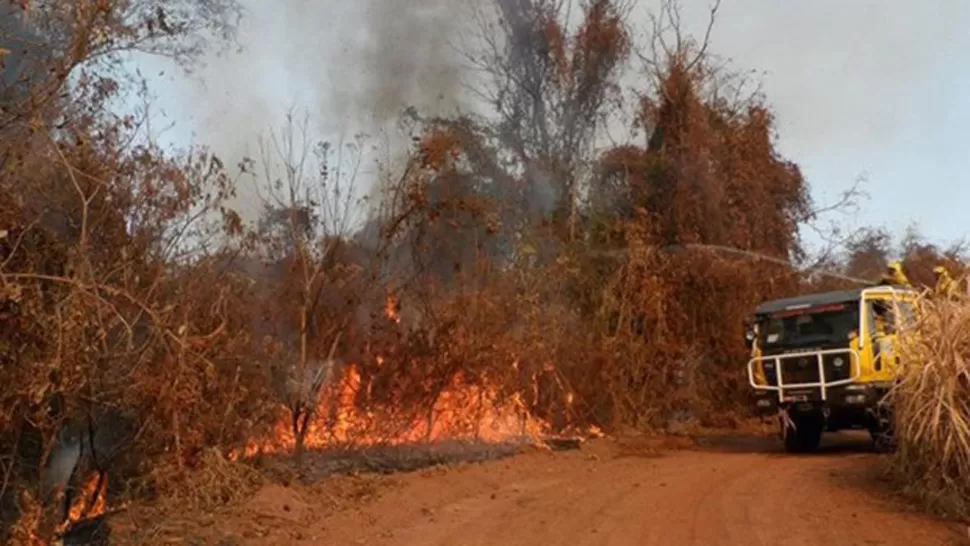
(216, 482)
(932, 404)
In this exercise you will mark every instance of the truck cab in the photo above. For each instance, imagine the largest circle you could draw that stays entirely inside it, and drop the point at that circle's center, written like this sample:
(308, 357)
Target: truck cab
(826, 361)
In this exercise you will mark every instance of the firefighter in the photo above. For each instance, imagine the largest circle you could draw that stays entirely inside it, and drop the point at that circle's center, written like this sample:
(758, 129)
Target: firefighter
(945, 285)
(894, 275)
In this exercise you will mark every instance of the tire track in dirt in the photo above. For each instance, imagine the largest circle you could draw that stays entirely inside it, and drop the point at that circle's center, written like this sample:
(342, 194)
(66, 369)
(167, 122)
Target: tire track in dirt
(615, 497)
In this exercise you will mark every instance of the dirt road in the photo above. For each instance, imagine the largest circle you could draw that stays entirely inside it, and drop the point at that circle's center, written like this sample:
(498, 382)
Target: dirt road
(736, 493)
(730, 492)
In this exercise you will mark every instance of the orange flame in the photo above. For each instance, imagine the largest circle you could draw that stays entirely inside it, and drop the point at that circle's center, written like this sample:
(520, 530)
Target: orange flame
(90, 503)
(463, 410)
(392, 308)
(460, 412)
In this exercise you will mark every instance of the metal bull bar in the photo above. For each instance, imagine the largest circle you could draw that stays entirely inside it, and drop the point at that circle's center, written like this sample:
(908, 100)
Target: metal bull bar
(854, 371)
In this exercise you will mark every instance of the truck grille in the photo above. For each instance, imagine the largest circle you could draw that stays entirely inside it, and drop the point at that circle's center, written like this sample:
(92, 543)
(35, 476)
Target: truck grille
(800, 370)
(804, 369)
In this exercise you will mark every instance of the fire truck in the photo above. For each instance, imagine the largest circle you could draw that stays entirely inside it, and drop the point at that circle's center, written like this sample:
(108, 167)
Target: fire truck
(824, 362)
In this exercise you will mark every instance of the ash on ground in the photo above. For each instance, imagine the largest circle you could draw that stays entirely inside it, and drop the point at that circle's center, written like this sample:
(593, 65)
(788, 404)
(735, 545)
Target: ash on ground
(387, 459)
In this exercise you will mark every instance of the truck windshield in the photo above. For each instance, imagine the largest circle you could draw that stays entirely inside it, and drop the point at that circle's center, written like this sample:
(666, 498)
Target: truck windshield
(823, 325)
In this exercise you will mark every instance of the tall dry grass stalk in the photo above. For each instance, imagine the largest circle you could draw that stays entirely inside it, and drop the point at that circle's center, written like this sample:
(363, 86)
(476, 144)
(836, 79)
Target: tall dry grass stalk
(932, 405)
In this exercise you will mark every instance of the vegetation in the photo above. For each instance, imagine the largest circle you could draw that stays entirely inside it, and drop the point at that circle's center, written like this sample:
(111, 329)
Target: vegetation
(931, 462)
(512, 258)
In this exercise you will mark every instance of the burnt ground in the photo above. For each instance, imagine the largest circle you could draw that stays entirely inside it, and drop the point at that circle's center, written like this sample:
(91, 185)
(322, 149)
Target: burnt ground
(712, 490)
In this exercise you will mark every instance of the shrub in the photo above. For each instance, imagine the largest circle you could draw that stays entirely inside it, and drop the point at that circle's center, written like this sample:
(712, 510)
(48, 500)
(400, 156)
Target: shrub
(932, 405)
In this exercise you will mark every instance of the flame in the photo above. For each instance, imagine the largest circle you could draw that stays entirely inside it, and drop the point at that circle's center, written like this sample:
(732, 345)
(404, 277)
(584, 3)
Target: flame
(90, 503)
(462, 411)
(392, 308)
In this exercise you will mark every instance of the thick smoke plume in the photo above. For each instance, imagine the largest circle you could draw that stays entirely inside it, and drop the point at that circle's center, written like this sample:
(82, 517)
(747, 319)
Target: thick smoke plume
(353, 67)
(405, 57)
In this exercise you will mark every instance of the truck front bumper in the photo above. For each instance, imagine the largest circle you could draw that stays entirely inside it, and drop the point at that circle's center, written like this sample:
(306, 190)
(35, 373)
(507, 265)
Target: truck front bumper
(842, 398)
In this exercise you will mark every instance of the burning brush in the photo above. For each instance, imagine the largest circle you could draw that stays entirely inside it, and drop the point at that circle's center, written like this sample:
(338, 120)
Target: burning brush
(73, 507)
(337, 410)
(86, 513)
(77, 518)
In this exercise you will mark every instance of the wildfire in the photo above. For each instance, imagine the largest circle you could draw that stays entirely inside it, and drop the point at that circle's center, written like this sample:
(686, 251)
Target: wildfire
(461, 412)
(392, 309)
(464, 410)
(89, 503)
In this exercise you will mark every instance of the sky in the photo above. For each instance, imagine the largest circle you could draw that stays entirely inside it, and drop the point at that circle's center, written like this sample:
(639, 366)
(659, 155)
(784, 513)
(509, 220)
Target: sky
(860, 88)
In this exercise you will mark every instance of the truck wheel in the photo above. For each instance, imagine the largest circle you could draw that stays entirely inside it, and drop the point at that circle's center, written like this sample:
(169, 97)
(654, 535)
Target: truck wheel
(804, 433)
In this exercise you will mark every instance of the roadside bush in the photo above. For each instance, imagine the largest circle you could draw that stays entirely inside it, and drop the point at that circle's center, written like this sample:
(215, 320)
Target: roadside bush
(932, 405)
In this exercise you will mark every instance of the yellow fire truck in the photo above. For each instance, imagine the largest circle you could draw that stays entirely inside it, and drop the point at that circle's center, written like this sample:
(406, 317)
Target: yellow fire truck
(826, 361)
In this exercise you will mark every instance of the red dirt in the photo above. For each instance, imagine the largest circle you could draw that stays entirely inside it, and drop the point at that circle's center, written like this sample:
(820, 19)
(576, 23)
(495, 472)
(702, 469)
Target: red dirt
(731, 492)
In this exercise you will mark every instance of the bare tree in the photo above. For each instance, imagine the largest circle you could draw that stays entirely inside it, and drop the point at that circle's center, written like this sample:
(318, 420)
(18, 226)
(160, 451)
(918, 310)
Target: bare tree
(310, 208)
(550, 90)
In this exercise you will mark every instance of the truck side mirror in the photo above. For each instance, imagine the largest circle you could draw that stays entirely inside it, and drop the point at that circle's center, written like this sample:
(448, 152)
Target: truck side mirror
(749, 338)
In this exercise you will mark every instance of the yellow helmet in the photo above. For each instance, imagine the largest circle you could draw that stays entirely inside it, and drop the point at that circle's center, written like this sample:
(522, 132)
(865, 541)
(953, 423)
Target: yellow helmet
(939, 270)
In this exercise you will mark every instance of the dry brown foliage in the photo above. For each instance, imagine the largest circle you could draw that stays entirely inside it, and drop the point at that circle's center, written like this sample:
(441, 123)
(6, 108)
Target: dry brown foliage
(931, 397)
(511, 262)
(932, 404)
(869, 252)
(110, 319)
(614, 308)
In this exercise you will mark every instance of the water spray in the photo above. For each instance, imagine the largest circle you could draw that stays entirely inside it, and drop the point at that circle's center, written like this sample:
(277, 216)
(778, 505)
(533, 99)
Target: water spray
(749, 254)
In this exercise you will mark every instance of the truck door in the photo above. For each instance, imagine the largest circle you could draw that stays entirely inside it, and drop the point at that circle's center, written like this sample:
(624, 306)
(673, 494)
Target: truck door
(883, 328)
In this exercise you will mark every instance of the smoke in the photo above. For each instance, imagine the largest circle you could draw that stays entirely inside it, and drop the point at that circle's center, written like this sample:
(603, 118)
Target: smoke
(353, 67)
(844, 103)
(63, 460)
(23, 54)
(542, 192)
(97, 444)
(13, 37)
(406, 57)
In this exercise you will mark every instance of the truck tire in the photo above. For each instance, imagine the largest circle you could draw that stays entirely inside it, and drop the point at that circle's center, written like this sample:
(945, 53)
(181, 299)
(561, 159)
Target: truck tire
(803, 433)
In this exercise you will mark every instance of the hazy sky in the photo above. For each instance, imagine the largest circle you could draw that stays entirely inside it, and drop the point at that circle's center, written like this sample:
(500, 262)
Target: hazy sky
(861, 87)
